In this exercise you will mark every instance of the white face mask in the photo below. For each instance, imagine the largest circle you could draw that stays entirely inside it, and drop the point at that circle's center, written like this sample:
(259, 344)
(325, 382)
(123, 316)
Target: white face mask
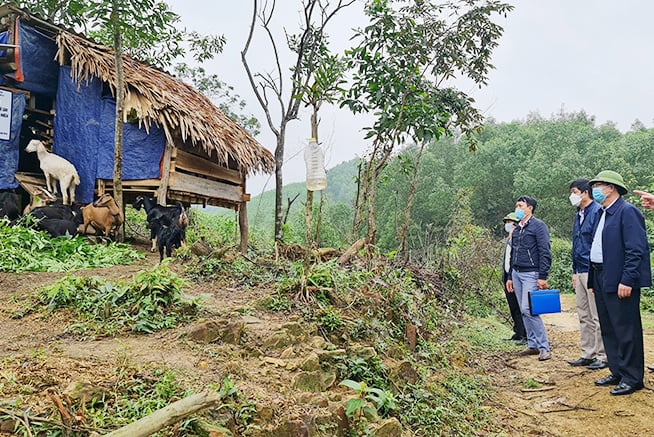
(508, 227)
(575, 199)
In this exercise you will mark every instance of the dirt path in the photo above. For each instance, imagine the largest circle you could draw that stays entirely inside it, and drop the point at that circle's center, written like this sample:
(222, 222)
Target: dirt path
(570, 403)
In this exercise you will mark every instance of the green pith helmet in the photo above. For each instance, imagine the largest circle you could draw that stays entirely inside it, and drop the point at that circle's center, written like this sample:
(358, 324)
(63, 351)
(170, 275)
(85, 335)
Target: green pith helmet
(511, 216)
(611, 177)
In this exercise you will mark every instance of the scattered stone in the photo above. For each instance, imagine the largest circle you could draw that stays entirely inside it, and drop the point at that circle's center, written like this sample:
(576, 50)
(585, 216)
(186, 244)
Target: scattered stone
(214, 430)
(292, 428)
(265, 413)
(288, 353)
(314, 382)
(85, 392)
(405, 373)
(363, 352)
(388, 428)
(311, 363)
(278, 340)
(331, 356)
(251, 320)
(295, 329)
(7, 426)
(317, 342)
(211, 331)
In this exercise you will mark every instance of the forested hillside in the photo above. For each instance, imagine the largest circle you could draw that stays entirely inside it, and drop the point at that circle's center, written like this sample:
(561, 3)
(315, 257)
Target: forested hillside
(536, 156)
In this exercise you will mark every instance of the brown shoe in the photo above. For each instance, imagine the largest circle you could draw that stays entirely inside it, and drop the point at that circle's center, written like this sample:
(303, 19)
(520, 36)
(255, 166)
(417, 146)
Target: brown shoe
(528, 351)
(544, 355)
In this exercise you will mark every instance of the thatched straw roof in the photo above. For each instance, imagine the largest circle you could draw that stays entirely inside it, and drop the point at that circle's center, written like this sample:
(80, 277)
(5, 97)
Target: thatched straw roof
(160, 98)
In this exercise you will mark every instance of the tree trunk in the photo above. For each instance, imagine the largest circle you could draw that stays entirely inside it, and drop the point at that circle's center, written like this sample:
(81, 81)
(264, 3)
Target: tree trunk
(279, 184)
(402, 234)
(118, 133)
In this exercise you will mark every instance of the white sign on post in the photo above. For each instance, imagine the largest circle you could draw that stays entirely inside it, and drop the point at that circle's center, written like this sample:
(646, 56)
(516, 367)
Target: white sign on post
(5, 114)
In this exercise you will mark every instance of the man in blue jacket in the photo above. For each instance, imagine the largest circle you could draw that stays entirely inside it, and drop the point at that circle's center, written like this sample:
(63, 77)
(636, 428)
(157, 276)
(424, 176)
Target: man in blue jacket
(593, 355)
(619, 268)
(530, 265)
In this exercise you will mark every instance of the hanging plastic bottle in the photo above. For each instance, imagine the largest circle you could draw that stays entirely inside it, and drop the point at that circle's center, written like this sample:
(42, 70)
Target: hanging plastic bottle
(315, 160)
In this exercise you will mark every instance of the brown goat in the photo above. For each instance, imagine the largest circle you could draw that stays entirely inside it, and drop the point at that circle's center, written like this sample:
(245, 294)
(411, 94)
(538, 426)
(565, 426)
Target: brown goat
(103, 215)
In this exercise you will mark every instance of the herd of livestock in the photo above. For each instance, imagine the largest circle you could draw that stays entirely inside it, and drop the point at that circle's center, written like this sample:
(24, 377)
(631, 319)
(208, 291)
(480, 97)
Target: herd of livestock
(167, 224)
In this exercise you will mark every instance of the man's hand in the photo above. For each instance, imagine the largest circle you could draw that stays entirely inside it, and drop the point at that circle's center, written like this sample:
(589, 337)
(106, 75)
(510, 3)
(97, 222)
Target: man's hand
(509, 286)
(542, 284)
(624, 291)
(646, 199)
(574, 281)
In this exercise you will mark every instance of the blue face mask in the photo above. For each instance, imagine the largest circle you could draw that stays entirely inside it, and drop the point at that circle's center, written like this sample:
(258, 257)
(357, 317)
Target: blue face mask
(598, 195)
(520, 214)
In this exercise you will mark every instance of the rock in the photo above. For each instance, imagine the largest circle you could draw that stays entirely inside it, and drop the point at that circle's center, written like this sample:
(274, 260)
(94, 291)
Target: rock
(311, 363)
(331, 356)
(233, 333)
(317, 342)
(363, 352)
(288, 353)
(278, 340)
(265, 413)
(411, 333)
(314, 382)
(213, 430)
(388, 428)
(405, 373)
(7, 426)
(211, 331)
(206, 332)
(292, 428)
(85, 392)
(251, 320)
(295, 329)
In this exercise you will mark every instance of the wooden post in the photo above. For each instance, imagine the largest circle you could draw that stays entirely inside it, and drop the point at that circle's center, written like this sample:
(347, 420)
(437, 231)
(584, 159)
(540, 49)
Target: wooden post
(162, 193)
(243, 221)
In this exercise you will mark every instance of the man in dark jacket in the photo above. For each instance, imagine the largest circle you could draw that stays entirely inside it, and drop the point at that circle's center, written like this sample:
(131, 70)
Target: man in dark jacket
(588, 212)
(519, 333)
(619, 260)
(530, 266)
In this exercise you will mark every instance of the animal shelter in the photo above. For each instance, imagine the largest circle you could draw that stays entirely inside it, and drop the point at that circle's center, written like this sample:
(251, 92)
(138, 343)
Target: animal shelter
(59, 87)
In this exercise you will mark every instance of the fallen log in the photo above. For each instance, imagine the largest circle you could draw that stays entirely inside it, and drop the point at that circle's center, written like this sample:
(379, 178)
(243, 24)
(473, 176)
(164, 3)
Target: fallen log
(167, 415)
(352, 250)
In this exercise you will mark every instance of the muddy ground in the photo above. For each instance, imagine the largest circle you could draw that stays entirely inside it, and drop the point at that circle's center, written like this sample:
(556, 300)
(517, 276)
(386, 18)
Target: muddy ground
(566, 403)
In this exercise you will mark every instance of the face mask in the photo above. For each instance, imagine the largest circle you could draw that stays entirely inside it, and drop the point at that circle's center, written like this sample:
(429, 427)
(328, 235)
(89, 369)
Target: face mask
(575, 199)
(508, 227)
(598, 195)
(520, 214)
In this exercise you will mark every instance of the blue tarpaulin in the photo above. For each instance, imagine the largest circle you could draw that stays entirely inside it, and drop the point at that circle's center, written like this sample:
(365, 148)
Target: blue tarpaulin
(36, 61)
(84, 133)
(9, 149)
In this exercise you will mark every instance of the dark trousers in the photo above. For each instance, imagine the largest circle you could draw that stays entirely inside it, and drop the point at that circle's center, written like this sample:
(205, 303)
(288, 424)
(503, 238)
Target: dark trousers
(622, 331)
(516, 314)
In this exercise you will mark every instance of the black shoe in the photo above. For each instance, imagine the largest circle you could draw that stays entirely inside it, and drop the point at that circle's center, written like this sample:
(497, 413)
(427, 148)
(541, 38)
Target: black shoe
(609, 380)
(626, 389)
(581, 362)
(650, 368)
(597, 364)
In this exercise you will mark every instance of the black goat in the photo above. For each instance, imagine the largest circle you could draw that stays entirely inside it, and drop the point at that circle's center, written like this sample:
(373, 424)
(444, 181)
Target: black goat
(58, 211)
(159, 216)
(57, 227)
(9, 205)
(169, 237)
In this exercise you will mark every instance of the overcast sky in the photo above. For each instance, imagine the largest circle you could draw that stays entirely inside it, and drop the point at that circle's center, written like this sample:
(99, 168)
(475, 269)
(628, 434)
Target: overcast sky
(592, 55)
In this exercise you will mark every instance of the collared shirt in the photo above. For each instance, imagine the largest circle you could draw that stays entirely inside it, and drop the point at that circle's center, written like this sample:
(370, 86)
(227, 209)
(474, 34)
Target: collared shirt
(596, 255)
(507, 255)
(581, 216)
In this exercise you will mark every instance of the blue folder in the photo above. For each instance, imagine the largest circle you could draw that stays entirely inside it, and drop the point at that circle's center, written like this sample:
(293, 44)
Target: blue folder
(544, 302)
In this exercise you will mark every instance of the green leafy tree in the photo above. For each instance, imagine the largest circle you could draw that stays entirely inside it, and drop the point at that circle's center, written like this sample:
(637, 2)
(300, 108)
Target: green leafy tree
(403, 58)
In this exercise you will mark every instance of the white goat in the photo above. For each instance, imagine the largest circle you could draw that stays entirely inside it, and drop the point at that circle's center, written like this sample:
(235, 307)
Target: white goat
(56, 168)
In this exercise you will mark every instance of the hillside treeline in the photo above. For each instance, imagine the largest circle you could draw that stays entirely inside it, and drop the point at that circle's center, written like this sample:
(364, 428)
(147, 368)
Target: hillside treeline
(536, 156)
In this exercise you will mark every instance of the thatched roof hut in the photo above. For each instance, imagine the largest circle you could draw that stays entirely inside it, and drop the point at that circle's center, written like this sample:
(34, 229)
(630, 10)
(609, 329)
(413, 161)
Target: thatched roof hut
(59, 86)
